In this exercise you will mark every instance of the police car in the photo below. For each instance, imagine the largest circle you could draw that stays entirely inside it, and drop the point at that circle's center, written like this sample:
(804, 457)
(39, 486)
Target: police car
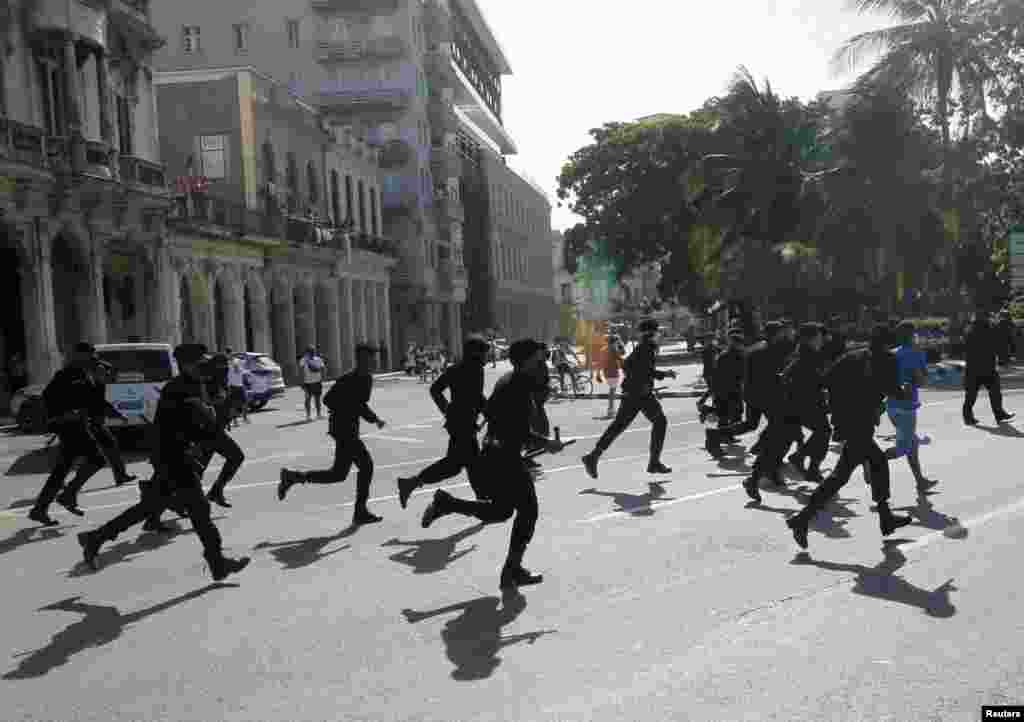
(139, 372)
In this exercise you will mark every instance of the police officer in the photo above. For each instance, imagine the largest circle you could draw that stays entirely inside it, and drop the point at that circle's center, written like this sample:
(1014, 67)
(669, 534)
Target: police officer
(804, 402)
(222, 443)
(513, 492)
(638, 397)
(764, 362)
(74, 400)
(857, 385)
(104, 437)
(983, 346)
(347, 401)
(183, 420)
(465, 380)
(730, 370)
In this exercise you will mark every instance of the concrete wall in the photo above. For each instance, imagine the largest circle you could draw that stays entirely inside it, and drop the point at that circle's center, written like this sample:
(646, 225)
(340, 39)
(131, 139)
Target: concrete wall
(190, 110)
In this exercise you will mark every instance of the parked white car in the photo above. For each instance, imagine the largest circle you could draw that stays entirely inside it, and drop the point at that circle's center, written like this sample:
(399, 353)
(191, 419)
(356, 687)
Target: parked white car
(140, 372)
(265, 378)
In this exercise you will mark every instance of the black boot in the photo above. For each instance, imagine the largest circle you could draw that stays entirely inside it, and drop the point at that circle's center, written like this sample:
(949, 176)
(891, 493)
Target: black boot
(406, 486)
(40, 516)
(222, 566)
(750, 486)
(656, 467)
(799, 526)
(889, 522)
(70, 503)
(90, 542)
(435, 509)
(216, 495)
(712, 444)
(512, 577)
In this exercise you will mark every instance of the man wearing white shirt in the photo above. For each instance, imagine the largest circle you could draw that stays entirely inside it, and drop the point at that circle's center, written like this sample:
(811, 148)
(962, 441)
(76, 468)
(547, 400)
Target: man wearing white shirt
(312, 368)
(236, 387)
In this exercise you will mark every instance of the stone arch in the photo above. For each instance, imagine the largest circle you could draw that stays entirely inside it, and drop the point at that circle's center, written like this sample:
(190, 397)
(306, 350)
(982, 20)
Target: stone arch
(257, 315)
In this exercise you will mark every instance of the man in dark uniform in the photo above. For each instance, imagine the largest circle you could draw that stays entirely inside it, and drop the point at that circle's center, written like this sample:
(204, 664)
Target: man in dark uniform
(638, 397)
(727, 390)
(764, 362)
(804, 401)
(465, 380)
(1005, 333)
(982, 349)
(76, 404)
(509, 432)
(348, 401)
(858, 383)
(183, 419)
(104, 436)
(222, 443)
(540, 422)
(707, 358)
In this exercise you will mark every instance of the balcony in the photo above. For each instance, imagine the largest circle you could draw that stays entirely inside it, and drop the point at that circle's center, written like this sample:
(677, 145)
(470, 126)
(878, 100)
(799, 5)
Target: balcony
(373, 7)
(333, 50)
(349, 100)
(141, 172)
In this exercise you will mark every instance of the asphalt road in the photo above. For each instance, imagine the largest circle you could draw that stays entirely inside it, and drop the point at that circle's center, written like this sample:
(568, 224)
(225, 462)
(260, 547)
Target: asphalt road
(665, 598)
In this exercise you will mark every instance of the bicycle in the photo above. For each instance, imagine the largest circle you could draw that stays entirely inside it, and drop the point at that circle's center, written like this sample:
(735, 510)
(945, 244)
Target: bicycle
(582, 385)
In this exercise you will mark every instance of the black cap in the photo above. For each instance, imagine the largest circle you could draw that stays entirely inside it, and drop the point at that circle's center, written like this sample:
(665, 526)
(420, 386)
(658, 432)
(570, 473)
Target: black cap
(190, 353)
(84, 347)
(520, 351)
(772, 328)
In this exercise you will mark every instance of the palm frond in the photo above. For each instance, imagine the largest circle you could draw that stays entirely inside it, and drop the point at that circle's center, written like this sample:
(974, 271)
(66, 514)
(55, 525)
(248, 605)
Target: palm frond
(852, 52)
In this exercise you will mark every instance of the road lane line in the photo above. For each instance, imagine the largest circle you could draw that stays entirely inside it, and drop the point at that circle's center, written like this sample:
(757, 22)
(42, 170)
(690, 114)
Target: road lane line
(395, 438)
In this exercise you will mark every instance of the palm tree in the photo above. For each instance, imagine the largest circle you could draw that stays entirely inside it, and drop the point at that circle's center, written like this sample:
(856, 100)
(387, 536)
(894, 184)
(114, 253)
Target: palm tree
(936, 47)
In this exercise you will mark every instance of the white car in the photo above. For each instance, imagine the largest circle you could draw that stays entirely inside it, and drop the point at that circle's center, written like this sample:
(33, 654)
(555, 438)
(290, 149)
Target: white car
(265, 380)
(140, 372)
(671, 347)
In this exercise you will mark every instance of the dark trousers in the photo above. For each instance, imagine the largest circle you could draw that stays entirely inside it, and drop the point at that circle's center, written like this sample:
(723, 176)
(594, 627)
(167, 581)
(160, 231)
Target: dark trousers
(632, 405)
(860, 448)
(816, 446)
(233, 455)
(773, 443)
(174, 486)
(111, 449)
(738, 428)
(463, 450)
(76, 441)
(348, 451)
(730, 410)
(972, 383)
(511, 491)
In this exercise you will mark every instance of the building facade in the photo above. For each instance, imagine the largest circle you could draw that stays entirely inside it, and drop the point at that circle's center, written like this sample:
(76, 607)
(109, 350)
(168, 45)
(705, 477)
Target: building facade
(421, 81)
(258, 259)
(83, 195)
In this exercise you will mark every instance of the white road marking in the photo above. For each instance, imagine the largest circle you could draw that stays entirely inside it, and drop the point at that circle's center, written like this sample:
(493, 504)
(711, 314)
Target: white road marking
(404, 440)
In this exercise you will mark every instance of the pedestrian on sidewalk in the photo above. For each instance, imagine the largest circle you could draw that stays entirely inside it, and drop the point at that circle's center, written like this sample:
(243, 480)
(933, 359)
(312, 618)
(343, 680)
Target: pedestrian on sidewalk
(912, 366)
(183, 419)
(512, 489)
(465, 381)
(613, 370)
(638, 397)
(347, 402)
(76, 404)
(312, 367)
(239, 405)
(983, 347)
(857, 384)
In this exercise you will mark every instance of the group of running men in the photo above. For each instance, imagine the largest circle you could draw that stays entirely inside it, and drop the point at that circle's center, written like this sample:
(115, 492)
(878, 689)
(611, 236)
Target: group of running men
(794, 388)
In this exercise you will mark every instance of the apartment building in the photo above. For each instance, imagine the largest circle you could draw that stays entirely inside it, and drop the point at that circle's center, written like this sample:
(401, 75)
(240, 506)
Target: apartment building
(83, 195)
(421, 81)
(261, 260)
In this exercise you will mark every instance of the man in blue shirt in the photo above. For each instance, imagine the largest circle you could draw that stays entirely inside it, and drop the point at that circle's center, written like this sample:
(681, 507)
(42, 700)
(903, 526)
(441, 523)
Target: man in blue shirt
(912, 364)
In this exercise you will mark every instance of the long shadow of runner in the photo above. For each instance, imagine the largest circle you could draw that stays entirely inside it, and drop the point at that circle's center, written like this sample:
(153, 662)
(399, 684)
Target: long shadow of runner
(879, 581)
(125, 551)
(427, 556)
(924, 514)
(100, 624)
(301, 553)
(28, 536)
(473, 640)
(830, 521)
(290, 424)
(42, 461)
(635, 504)
(1002, 430)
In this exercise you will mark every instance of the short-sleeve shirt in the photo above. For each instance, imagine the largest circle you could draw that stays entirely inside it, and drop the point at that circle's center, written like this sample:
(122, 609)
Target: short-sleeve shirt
(236, 373)
(908, 360)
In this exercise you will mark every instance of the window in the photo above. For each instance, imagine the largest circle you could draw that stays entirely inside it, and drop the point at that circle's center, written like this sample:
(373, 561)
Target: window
(292, 27)
(362, 207)
(190, 39)
(51, 84)
(335, 198)
(240, 33)
(124, 124)
(211, 153)
(292, 179)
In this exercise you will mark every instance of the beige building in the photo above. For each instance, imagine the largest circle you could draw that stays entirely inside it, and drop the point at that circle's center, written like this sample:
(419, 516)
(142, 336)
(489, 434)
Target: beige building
(421, 81)
(83, 195)
(258, 259)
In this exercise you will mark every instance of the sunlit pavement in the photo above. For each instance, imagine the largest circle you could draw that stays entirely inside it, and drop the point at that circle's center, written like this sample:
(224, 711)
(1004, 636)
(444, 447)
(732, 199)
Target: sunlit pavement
(665, 598)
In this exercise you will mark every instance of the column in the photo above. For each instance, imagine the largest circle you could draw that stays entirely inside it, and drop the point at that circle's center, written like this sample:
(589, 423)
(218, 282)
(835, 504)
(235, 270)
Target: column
(372, 313)
(41, 353)
(395, 351)
(209, 326)
(383, 337)
(106, 113)
(164, 307)
(143, 283)
(305, 320)
(329, 325)
(283, 328)
(259, 314)
(94, 314)
(346, 319)
(358, 302)
(454, 342)
(234, 313)
(74, 112)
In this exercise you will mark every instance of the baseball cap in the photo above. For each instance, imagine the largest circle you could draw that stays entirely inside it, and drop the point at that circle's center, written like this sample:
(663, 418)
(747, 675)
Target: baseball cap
(523, 349)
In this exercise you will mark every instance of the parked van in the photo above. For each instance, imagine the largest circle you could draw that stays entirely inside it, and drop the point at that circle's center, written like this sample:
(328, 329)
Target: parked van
(140, 371)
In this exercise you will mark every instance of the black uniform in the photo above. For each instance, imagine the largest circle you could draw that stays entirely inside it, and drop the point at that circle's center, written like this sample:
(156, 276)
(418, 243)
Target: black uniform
(727, 386)
(184, 420)
(511, 489)
(637, 397)
(465, 380)
(74, 401)
(760, 387)
(983, 347)
(857, 383)
(348, 401)
(804, 407)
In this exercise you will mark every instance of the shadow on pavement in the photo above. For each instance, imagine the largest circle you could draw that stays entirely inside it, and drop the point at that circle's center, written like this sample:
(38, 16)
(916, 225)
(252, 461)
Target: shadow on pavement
(291, 424)
(879, 581)
(100, 624)
(924, 514)
(1011, 432)
(635, 504)
(83, 494)
(42, 461)
(303, 552)
(427, 556)
(28, 536)
(473, 640)
(830, 521)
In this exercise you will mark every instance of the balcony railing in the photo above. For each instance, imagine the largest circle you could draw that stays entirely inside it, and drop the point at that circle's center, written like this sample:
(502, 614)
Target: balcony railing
(383, 98)
(142, 172)
(332, 49)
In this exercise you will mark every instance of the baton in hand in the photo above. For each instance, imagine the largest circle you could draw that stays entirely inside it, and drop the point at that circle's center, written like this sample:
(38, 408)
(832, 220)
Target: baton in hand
(558, 438)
